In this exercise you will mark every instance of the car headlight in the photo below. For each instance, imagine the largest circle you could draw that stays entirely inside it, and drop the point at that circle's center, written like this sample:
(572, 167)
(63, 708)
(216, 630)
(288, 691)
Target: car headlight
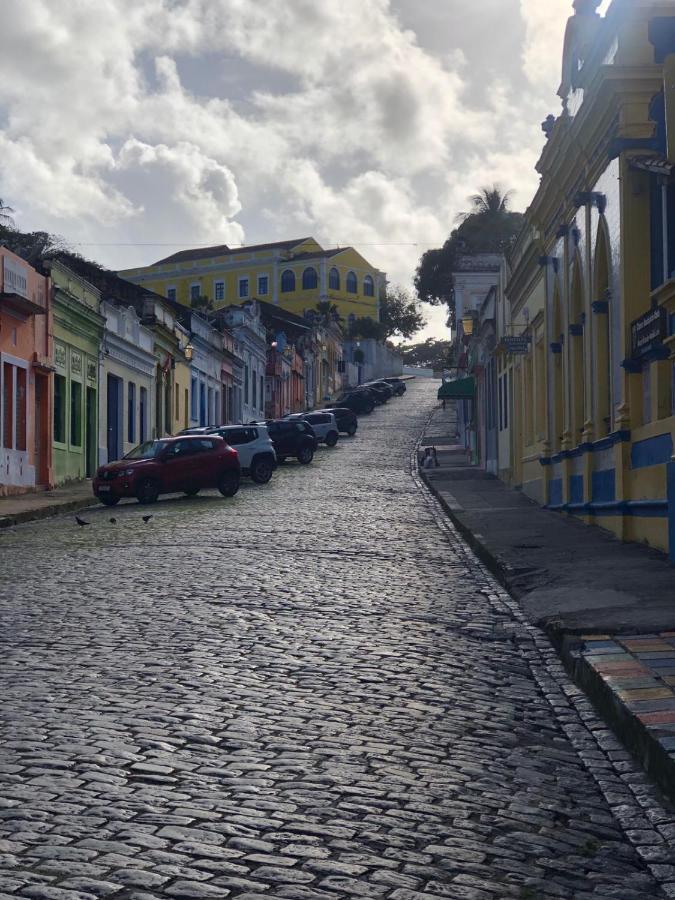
(128, 472)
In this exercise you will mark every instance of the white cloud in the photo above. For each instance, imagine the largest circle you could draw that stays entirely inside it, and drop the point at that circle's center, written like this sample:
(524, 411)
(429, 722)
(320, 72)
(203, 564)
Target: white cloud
(114, 146)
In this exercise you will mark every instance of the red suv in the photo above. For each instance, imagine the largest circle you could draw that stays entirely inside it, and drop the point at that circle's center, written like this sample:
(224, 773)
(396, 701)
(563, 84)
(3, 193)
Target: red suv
(168, 466)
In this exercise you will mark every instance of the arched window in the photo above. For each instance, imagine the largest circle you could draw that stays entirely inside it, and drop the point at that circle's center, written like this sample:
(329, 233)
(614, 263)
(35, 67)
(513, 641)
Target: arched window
(287, 281)
(577, 355)
(352, 284)
(600, 335)
(310, 280)
(334, 279)
(368, 286)
(556, 344)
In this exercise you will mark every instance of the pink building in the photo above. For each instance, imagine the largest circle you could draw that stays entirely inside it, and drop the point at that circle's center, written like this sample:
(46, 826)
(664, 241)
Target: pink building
(25, 377)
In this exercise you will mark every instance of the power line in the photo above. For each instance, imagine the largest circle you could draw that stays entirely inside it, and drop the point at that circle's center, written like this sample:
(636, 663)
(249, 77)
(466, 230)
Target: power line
(189, 246)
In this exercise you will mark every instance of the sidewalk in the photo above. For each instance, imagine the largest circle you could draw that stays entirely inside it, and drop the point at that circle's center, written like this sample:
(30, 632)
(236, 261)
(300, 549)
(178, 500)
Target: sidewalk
(609, 607)
(41, 505)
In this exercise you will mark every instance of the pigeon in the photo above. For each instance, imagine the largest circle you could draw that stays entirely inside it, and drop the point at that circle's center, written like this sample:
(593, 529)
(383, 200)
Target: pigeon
(146, 519)
(113, 521)
(81, 522)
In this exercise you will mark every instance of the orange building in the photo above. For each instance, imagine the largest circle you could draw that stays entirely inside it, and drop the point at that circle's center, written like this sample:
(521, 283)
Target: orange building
(25, 377)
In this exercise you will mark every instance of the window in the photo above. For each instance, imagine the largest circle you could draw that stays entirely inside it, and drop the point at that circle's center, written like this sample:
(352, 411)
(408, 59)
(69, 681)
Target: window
(368, 286)
(254, 390)
(143, 414)
(131, 413)
(209, 407)
(76, 413)
(662, 231)
(219, 291)
(216, 408)
(187, 405)
(195, 291)
(171, 293)
(59, 409)
(202, 405)
(334, 279)
(263, 285)
(245, 384)
(177, 405)
(506, 399)
(352, 284)
(287, 282)
(262, 391)
(310, 280)
(646, 394)
(243, 287)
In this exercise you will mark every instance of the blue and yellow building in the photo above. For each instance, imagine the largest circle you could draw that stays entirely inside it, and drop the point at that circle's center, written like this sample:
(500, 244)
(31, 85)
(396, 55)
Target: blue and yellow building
(295, 275)
(591, 401)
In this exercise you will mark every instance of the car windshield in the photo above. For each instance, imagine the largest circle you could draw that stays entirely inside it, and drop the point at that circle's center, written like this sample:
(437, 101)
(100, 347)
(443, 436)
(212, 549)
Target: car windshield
(148, 450)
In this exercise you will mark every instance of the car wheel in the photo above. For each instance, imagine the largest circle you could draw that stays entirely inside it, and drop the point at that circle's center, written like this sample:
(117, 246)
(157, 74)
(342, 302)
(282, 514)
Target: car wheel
(261, 471)
(332, 438)
(306, 455)
(192, 492)
(351, 431)
(229, 484)
(107, 500)
(370, 408)
(147, 491)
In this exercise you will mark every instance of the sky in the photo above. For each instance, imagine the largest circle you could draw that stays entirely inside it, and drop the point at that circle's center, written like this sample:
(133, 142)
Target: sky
(135, 128)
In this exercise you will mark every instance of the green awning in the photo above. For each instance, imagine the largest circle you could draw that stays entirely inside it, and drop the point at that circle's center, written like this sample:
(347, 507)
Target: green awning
(462, 389)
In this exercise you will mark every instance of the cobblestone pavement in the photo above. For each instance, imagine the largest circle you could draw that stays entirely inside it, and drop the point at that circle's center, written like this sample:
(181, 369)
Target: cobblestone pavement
(310, 691)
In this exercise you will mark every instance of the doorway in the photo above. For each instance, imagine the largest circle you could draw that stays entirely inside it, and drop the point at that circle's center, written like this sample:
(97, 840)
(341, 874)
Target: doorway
(114, 407)
(91, 434)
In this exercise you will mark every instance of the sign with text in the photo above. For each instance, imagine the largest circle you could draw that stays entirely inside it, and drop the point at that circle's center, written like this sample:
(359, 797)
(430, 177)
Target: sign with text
(648, 331)
(517, 344)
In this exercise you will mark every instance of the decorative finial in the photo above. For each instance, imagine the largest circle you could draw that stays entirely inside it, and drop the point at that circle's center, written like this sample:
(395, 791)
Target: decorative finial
(548, 125)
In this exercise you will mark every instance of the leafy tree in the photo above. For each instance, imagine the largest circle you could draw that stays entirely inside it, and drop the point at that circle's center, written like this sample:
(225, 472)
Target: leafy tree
(490, 227)
(201, 304)
(367, 329)
(33, 245)
(430, 354)
(400, 314)
(328, 313)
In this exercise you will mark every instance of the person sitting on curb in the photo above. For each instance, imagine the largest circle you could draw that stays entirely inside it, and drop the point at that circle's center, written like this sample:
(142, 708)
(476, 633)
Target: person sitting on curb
(430, 460)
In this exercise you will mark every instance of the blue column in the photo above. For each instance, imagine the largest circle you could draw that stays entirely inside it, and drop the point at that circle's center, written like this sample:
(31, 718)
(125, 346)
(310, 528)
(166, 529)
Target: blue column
(671, 508)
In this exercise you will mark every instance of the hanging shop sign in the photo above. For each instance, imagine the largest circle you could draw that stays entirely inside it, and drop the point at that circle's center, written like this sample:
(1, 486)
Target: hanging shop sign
(648, 331)
(517, 344)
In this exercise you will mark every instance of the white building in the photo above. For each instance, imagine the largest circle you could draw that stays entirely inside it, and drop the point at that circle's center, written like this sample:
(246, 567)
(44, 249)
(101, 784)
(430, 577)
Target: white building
(127, 378)
(251, 347)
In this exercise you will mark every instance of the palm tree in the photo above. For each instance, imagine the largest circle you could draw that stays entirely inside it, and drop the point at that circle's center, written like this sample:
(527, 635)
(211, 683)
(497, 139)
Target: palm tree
(488, 202)
(5, 213)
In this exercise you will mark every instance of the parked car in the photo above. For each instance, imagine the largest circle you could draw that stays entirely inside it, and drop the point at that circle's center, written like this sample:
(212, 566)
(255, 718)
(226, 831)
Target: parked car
(346, 419)
(358, 401)
(257, 456)
(398, 385)
(383, 386)
(292, 438)
(378, 395)
(168, 466)
(323, 425)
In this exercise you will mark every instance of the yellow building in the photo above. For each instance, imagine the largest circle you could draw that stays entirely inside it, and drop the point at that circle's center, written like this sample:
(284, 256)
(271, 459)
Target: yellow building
(295, 275)
(592, 284)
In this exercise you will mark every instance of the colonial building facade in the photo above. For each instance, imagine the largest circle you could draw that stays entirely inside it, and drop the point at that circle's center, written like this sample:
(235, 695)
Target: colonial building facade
(295, 275)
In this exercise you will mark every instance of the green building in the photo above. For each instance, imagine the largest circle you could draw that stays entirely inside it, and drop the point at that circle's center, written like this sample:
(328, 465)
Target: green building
(78, 332)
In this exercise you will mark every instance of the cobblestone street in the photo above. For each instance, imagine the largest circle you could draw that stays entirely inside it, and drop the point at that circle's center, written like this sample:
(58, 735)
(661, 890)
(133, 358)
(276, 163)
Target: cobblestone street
(312, 690)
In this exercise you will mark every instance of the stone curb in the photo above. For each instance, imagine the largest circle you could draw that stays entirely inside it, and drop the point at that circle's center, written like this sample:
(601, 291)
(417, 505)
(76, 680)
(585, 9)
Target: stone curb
(46, 512)
(642, 742)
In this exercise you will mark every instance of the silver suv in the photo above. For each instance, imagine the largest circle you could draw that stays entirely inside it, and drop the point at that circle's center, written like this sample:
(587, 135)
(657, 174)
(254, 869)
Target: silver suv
(257, 455)
(323, 425)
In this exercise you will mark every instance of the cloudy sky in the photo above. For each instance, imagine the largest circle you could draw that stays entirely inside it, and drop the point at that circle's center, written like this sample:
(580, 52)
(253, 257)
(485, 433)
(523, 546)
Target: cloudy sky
(138, 127)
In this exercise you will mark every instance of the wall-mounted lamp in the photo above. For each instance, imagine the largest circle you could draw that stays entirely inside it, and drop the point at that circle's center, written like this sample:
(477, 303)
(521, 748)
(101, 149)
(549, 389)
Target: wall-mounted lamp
(189, 352)
(467, 325)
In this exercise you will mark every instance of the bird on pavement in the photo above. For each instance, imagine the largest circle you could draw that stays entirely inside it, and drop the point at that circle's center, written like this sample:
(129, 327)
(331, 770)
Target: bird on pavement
(81, 522)
(146, 519)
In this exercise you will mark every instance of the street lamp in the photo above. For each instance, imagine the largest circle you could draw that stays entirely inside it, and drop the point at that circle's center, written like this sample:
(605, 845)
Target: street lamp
(467, 325)
(189, 352)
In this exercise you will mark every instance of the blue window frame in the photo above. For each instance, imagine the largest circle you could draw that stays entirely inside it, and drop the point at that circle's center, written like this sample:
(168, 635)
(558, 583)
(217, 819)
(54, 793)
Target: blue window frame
(263, 285)
(368, 286)
(195, 291)
(171, 293)
(352, 284)
(219, 290)
(334, 279)
(131, 413)
(310, 279)
(143, 415)
(243, 287)
(287, 281)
